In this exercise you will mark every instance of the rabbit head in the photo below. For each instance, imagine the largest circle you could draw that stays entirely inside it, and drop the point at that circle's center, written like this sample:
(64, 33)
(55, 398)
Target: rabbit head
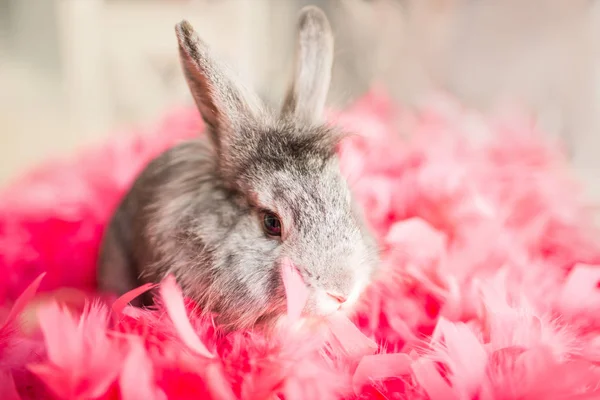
(282, 171)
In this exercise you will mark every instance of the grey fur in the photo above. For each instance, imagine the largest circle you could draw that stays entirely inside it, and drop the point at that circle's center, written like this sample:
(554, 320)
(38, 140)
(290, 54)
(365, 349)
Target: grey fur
(194, 212)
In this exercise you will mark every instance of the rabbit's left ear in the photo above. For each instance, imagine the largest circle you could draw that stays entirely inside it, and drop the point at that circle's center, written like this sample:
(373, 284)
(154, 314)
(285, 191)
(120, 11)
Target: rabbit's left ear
(225, 106)
(306, 96)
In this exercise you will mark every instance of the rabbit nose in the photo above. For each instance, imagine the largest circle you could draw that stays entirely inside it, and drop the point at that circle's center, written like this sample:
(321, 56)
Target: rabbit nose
(338, 298)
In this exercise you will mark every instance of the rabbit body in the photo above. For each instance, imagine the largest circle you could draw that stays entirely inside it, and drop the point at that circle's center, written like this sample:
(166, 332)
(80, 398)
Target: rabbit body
(222, 212)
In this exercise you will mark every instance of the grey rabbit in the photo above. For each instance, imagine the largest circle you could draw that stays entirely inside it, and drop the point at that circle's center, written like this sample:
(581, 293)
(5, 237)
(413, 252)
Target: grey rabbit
(221, 212)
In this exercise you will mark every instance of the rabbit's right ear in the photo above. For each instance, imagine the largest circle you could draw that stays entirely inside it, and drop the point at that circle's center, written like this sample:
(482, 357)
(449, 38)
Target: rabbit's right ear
(224, 105)
(306, 96)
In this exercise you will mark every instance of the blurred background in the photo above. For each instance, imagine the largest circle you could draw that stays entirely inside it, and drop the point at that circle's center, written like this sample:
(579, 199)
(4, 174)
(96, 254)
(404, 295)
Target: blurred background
(71, 71)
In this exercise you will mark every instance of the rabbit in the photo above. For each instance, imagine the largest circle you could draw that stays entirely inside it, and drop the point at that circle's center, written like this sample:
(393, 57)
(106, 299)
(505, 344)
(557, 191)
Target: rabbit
(221, 212)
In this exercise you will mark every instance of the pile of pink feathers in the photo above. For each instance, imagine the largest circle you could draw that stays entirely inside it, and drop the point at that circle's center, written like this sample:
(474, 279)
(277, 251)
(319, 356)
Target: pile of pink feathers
(491, 288)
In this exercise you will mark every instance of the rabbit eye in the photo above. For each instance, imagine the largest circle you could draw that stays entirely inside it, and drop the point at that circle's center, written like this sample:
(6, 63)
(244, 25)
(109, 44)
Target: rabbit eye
(271, 224)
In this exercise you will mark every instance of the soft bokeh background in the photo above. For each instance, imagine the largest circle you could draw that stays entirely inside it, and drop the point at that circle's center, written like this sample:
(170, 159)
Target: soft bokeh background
(71, 71)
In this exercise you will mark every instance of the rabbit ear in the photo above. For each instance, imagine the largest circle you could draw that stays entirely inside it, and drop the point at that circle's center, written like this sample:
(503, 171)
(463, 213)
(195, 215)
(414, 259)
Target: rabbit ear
(314, 59)
(223, 104)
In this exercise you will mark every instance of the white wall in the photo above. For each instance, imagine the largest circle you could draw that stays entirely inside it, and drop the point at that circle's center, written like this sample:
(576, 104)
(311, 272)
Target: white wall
(72, 70)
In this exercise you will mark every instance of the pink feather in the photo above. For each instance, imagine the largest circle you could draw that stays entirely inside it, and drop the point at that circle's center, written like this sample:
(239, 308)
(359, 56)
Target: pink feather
(175, 307)
(378, 367)
(82, 361)
(431, 381)
(126, 298)
(351, 340)
(580, 292)
(136, 380)
(295, 290)
(23, 299)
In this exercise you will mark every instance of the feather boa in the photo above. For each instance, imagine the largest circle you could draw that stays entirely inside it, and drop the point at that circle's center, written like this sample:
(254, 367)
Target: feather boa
(491, 286)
